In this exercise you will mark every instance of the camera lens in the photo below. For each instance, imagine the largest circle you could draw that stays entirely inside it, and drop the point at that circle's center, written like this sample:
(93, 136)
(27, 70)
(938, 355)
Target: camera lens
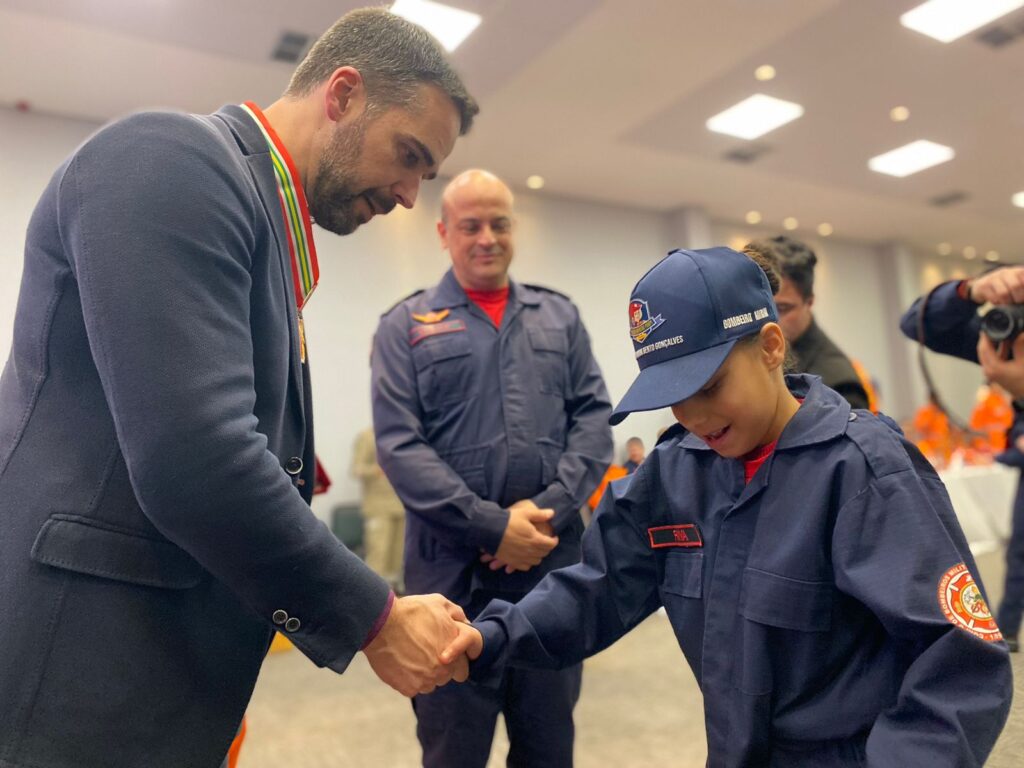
(997, 324)
(1003, 323)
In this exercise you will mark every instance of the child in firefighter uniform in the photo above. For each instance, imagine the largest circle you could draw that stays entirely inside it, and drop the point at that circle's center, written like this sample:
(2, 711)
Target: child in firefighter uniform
(807, 555)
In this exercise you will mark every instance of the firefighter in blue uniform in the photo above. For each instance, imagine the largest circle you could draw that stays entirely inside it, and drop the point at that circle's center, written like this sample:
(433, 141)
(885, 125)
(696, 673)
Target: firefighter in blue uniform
(491, 420)
(808, 558)
(951, 325)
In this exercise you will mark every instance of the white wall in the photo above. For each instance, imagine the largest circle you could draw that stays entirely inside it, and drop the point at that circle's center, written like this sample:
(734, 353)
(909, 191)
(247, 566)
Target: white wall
(30, 152)
(594, 253)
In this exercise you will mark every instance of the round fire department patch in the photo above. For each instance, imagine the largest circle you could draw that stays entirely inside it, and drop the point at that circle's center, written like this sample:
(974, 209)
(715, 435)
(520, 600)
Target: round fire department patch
(964, 606)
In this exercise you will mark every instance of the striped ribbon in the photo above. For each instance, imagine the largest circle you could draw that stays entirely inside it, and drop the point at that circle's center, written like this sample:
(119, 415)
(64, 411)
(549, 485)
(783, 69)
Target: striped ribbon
(305, 270)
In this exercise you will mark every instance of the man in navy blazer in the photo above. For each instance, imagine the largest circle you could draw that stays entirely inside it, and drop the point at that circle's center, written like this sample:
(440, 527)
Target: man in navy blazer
(156, 441)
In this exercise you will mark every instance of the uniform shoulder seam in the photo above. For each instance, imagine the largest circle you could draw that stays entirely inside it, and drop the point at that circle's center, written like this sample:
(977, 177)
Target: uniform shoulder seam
(545, 289)
(401, 301)
(885, 455)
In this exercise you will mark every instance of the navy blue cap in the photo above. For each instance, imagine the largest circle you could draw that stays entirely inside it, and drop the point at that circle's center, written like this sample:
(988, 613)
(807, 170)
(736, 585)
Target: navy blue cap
(685, 316)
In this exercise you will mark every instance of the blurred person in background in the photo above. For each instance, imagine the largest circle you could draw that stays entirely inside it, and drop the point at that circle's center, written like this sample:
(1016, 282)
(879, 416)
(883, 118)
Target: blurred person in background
(634, 454)
(383, 513)
(813, 350)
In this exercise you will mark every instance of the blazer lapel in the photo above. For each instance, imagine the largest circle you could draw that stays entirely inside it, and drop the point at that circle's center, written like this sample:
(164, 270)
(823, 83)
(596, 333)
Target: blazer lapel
(257, 156)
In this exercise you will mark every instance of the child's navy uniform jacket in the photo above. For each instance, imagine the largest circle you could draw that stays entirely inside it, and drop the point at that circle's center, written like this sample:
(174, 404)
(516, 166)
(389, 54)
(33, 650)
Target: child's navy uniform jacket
(826, 608)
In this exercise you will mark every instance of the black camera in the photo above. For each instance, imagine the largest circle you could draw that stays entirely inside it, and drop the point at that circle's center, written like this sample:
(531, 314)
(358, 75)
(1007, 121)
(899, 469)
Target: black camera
(1003, 322)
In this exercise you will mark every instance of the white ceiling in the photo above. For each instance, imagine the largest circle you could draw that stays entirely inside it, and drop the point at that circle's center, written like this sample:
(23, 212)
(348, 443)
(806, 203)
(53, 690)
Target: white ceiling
(607, 100)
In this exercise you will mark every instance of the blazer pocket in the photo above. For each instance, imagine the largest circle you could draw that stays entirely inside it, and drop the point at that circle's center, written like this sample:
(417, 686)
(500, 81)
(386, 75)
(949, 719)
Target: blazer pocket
(87, 546)
(787, 603)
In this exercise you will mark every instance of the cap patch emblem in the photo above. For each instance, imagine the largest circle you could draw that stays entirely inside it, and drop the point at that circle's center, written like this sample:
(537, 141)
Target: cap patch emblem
(641, 324)
(964, 606)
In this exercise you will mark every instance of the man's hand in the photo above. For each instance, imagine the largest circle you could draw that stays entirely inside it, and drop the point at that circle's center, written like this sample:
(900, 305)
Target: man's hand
(528, 538)
(1001, 286)
(469, 642)
(1007, 373)
(540, 522)
(405, 653)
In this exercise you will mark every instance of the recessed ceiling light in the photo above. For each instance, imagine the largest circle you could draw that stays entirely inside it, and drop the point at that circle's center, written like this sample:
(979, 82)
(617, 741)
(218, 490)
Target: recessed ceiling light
(754, 117)
(970, 252)
(945, 249)
(753, 217)
(535, 182)
(911, 158)
(1018, 199)
(765, 72)
(992, 256)
(790, 223)
(449, 25)
(946, 20)
(825, 229)
(899, 114)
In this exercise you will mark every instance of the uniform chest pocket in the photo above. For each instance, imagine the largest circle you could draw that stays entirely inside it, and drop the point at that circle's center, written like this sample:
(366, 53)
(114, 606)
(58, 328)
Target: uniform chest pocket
(778, 601)
(444, 366)
(550, 359)
(683, 574)
(681, 591)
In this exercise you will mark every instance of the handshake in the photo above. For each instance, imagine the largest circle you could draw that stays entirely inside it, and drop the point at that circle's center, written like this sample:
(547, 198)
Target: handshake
(425, 642)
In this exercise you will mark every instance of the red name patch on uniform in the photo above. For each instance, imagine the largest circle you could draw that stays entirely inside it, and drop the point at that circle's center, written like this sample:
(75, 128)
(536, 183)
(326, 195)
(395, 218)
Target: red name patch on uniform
(685, 535)
(420, 332)
(962, 603)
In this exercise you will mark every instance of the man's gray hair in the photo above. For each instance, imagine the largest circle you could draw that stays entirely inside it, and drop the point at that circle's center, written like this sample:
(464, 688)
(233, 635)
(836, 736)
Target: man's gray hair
(394, 56)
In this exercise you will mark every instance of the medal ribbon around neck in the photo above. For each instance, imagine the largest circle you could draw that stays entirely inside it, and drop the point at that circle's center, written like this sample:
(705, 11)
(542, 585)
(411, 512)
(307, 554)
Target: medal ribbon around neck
(305, 269)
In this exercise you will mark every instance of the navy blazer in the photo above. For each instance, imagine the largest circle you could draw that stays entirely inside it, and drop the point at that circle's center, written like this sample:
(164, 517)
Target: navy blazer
(156, 457)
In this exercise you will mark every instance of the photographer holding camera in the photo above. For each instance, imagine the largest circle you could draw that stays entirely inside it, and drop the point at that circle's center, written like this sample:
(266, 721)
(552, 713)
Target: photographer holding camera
(951, 325)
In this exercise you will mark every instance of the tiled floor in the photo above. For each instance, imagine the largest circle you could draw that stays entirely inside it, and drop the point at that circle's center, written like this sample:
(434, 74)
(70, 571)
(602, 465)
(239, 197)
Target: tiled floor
(639, 707)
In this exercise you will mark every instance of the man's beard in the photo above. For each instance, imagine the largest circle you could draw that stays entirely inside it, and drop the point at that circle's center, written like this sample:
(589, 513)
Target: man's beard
(333, 196)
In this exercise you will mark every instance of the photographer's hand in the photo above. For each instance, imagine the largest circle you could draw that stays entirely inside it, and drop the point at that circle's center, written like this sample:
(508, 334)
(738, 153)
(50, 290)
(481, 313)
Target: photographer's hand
(1001, 286)
(998, 367)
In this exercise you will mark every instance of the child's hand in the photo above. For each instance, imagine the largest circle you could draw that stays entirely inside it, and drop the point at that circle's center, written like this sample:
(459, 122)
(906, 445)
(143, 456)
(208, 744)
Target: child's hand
(469, 641)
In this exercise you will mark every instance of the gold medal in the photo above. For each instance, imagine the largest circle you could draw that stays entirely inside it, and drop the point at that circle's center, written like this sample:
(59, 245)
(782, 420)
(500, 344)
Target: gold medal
(302, 340)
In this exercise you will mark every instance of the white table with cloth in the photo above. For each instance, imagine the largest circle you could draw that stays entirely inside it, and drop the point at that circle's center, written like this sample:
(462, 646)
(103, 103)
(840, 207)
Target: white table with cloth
(982, 498)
